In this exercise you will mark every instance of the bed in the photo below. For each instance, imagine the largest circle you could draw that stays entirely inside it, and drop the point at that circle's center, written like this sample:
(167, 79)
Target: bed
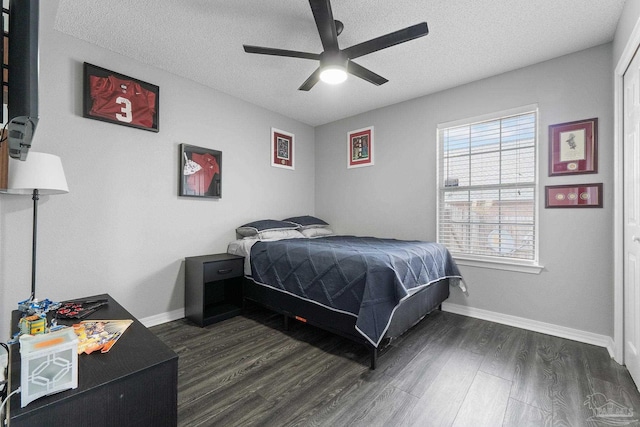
(368, 289)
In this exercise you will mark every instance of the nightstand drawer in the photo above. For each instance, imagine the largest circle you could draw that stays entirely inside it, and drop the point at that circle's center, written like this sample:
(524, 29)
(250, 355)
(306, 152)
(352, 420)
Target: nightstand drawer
(221, 270)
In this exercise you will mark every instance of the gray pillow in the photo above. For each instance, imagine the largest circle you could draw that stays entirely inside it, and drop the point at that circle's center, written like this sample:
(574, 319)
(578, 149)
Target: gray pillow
(307, 221)
(255, 227)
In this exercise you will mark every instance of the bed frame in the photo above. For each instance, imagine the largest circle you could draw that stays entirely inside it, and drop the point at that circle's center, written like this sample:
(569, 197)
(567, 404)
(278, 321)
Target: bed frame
(408, 313)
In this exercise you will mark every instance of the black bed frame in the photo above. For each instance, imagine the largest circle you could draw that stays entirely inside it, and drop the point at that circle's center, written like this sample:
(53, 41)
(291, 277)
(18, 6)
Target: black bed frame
(410, 312)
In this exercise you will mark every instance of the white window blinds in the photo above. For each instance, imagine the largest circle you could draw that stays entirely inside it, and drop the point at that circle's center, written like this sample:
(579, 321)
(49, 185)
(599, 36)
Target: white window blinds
(487, 188)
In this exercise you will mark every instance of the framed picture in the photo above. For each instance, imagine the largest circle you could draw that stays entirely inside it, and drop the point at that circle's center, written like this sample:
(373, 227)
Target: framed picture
(282, 149)
(200, 172)
(360, 148)
(573, 147)
(112, 97)
(573, 196)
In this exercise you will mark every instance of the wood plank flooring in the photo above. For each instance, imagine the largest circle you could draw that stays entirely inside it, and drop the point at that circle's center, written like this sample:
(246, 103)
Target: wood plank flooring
(448, 370)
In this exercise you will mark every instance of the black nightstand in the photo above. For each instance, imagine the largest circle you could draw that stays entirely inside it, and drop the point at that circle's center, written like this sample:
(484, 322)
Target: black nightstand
(213, 287)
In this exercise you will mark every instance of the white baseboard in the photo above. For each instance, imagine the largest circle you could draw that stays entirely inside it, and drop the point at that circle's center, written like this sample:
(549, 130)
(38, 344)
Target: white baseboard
(533, 325)
(505, 319)
(163, 318)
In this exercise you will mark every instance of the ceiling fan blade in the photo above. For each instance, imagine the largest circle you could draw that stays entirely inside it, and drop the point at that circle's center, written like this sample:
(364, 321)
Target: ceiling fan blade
(326, 25)
(311, 81)
(365, 74)
(280, 52)
(387, 40)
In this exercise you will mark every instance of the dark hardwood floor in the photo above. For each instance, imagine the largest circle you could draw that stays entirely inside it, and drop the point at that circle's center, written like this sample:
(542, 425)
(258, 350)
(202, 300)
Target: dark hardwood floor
(449, 370)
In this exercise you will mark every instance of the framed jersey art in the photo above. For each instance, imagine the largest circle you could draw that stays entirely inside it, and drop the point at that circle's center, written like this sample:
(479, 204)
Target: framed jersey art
(112, 97)
(200, 172)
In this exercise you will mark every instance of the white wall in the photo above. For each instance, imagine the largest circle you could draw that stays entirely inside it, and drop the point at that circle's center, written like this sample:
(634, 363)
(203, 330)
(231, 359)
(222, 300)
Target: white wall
(397, 197)
(122, 229)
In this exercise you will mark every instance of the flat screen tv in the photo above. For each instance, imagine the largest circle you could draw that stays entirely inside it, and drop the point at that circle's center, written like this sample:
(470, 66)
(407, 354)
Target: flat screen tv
(22, 101)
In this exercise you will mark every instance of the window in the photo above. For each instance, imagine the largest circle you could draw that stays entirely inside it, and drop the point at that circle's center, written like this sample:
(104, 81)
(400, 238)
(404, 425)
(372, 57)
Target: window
(487, 188)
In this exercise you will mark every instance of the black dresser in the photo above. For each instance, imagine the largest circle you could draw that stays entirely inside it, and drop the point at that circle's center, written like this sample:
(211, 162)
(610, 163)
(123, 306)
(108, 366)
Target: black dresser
(134, 384)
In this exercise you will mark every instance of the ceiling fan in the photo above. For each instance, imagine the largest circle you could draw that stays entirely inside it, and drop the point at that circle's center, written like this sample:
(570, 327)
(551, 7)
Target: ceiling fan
(335, 63)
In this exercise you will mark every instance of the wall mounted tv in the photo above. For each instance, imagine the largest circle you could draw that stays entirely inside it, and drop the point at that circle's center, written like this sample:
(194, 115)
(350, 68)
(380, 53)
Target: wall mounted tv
(22, 101)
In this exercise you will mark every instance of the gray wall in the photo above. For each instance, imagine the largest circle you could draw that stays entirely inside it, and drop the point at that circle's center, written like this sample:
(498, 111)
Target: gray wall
(627, 22)
(122, 229)
(397, 197)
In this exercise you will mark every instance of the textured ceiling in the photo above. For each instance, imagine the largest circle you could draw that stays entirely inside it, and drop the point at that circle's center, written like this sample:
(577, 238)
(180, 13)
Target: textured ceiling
(468, 40)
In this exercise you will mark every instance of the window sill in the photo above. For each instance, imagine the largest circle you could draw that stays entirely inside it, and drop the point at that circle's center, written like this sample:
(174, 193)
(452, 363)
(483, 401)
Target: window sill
(520, 267)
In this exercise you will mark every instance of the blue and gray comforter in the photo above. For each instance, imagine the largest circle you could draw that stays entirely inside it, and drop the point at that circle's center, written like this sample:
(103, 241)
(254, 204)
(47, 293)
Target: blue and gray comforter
(363, 276)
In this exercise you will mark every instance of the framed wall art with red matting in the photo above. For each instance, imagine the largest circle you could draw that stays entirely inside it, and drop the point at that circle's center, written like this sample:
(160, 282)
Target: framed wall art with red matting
(573, 196)
(573, 147)
(282, 149)
(360, 148)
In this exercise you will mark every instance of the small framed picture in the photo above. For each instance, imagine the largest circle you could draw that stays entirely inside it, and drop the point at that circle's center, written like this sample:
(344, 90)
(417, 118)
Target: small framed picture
(573, 196)
(113, 97)
(573, 147)
(200, 172)
(282, 149)
(360, 148)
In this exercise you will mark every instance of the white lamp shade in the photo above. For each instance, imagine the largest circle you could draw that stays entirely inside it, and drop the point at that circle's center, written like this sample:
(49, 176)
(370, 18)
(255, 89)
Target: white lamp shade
(41, 171)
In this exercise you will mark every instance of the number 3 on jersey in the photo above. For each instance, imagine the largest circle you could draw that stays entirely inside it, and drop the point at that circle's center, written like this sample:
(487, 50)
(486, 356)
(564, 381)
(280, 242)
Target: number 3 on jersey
(126, 110)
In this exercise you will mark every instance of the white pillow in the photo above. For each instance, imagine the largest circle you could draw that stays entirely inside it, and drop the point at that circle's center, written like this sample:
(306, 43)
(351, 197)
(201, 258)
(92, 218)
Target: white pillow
(316, 232)
(279, 234)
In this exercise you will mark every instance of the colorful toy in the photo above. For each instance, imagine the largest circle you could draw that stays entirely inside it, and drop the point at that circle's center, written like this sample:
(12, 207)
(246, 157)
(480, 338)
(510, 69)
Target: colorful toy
(34, 318)
(30, 306)
(33, 325)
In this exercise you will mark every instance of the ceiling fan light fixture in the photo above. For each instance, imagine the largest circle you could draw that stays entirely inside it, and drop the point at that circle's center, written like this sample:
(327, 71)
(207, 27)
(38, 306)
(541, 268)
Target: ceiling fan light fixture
(335, 63)
(333, 74)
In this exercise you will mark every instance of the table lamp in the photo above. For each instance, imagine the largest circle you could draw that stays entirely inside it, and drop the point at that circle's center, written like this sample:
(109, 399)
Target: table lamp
(40, 174)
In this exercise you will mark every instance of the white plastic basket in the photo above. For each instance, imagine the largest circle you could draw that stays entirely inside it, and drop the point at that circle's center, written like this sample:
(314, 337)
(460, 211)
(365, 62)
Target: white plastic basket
(49, 364)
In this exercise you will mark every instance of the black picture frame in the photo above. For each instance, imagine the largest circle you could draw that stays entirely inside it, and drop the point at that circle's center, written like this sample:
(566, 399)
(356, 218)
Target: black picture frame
(117, 98)
(200, 172)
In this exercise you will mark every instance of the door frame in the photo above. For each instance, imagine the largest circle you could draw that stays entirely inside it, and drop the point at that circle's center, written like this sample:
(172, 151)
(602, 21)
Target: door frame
(633, 43)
